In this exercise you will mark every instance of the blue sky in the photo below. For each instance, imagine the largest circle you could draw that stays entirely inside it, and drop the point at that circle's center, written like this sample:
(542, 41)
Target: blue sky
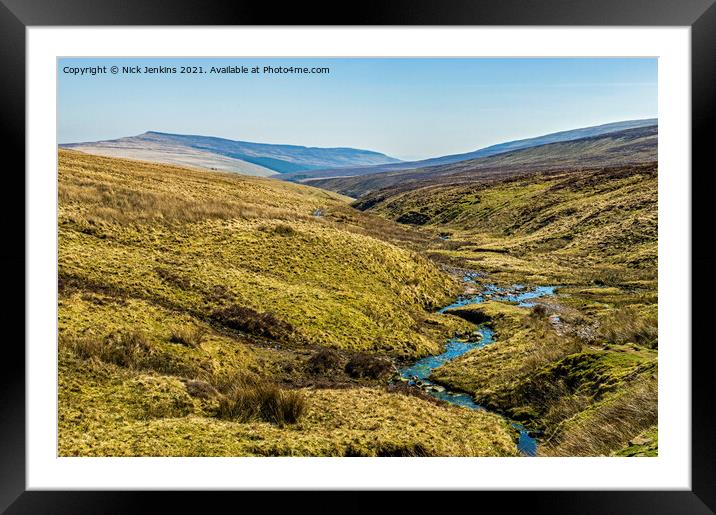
(407, 108)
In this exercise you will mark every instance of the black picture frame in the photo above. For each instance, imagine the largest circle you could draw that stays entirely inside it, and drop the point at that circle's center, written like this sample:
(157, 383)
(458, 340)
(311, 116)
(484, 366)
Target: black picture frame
(16, 15)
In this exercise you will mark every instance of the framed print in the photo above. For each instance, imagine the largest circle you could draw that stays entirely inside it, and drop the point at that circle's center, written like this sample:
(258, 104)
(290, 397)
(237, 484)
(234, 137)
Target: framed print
(426, 248)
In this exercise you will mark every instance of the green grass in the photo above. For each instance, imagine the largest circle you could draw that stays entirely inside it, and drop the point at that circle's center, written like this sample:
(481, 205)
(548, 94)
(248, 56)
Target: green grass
(586, 400)
(644, 444)
(523, 344)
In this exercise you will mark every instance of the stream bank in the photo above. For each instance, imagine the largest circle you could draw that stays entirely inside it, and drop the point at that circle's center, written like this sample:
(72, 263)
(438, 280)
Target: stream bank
(418, 373)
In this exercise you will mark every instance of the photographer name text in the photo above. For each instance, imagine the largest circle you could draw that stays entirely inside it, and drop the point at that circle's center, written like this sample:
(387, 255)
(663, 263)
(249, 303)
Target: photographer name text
(92, 71)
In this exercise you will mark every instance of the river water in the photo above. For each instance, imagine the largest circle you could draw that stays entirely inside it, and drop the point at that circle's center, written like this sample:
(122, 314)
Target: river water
(418, 372)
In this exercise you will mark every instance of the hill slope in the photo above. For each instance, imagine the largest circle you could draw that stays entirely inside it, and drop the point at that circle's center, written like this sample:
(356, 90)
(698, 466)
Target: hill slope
(586, 132)
(201, 243)
(208, 314)
(146, 148)
(243, 157)
(551, 222)
(631, 146)
(581, 366)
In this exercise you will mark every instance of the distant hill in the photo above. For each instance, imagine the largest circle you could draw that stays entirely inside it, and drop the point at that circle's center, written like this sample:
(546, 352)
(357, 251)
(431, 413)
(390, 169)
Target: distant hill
(509, 146)
(625, 147)
(260, 159)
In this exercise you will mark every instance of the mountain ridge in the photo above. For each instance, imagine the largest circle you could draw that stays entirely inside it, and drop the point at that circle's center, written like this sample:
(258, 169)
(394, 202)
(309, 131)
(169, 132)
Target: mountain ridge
(212, 152)
(630, 146)
(499, 148)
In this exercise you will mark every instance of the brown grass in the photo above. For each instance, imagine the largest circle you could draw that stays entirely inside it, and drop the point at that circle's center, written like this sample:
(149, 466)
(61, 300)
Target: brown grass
(561, 403)
(124, 205)
(369, 366)
(325, 360)
(188, 335)
(393, 450)
(280, 230)
(132, 350)
(627, 325)
(200, 389)
(609, 425)
(413, 391)
(127, 349)
(544, 345)
(245, 319)
(261, 400)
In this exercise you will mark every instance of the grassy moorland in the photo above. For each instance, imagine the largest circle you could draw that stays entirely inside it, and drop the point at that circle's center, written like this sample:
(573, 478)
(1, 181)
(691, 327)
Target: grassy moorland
(206, 314)
(621, 148)
(541, 228)
(209, 314)
(580, 368)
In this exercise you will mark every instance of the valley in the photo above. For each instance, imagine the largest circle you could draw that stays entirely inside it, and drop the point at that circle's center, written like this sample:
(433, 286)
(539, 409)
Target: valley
(501, 305)
(579, 367)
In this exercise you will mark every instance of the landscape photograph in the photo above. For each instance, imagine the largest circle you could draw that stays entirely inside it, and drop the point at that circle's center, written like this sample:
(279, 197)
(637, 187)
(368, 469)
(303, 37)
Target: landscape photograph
(357, 257)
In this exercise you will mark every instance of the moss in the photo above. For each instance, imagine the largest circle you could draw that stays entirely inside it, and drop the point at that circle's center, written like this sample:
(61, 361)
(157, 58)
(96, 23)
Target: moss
(598, 372)
(644, 444)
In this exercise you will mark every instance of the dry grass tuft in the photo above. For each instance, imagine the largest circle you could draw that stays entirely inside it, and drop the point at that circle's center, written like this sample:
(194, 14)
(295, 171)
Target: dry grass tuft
(200, 389)
(538, 311)
(188, 335)
(245, 319)
(370, 366)
(323, 361)
(261, 400)
(132, 350)
(608, 425)
(543, 345)
(284, 230)
(627, 325)
(128, 349)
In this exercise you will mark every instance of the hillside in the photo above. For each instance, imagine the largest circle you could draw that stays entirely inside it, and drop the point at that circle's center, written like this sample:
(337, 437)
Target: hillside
(211, 314)
(631, 146)
(259, 159)
(145, 148)
(585, 132)
(544, 224)
(580, 367)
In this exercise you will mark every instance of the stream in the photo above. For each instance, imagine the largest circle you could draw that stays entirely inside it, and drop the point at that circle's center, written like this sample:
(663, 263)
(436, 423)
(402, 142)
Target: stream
(418, 373)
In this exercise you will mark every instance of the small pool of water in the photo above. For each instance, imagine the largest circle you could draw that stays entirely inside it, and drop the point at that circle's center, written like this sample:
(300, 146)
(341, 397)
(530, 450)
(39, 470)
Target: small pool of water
(517, 293)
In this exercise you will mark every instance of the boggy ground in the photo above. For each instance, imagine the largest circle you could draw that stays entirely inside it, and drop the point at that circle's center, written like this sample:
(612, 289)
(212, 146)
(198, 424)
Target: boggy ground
(208, 314)
(580, 368)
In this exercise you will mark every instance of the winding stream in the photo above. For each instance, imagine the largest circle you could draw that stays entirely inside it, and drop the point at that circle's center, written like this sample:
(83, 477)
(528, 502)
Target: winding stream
(418, 372)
